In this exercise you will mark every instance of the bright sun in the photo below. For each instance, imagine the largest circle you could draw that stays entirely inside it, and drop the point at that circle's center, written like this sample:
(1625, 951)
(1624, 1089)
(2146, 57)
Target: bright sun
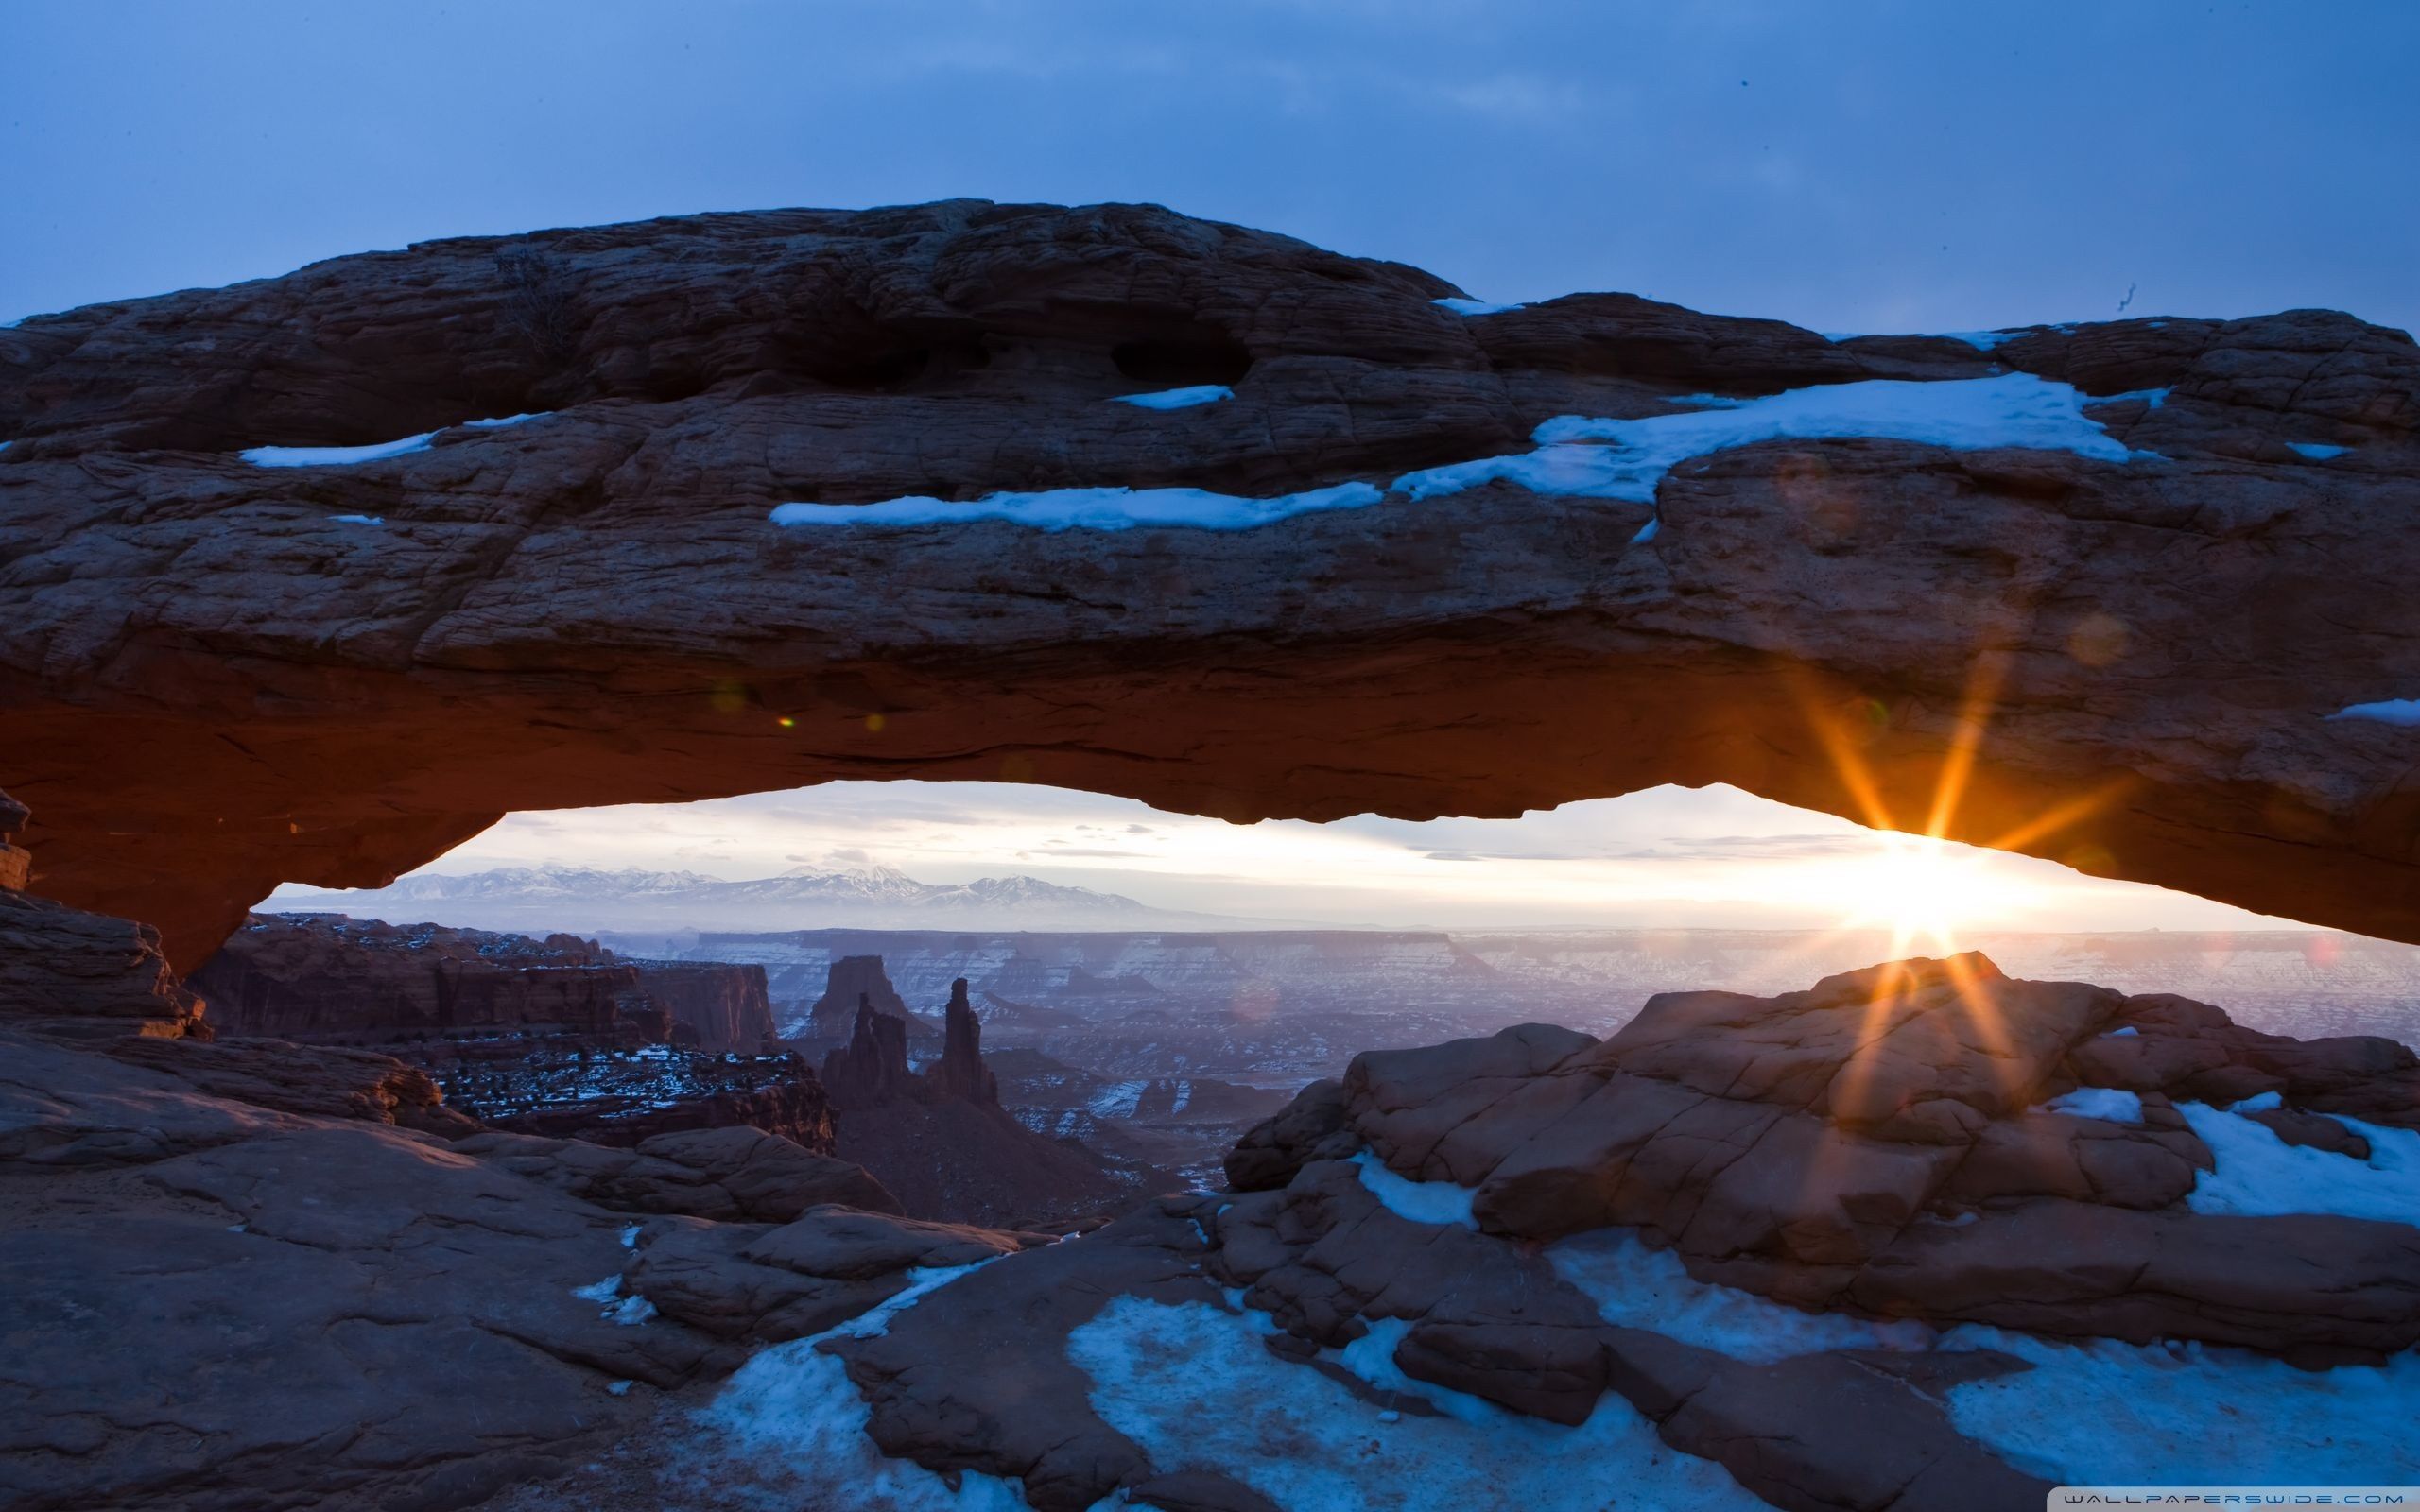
(1924, 889)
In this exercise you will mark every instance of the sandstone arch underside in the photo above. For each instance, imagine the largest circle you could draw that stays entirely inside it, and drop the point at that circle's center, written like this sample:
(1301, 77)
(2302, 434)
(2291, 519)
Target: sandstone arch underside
(216, 675)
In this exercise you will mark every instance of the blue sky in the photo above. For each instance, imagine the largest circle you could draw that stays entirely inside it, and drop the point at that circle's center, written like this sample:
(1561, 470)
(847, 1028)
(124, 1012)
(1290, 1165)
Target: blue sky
(1851, 166)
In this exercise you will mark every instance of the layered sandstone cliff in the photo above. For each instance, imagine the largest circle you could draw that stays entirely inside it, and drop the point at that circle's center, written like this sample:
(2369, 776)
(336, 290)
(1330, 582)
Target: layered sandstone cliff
(722, 1006)
(323, 977)
(852, 980)
(938, 1136)
(2125, 626)
(65, 972)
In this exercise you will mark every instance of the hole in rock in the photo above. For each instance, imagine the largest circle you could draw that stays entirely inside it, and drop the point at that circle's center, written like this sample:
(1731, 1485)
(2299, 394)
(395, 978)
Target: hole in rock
(1131, 943)
(904, 366)
(1181, 361)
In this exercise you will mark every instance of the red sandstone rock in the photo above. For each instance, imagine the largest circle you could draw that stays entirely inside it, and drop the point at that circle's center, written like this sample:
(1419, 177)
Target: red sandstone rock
(380, 1319)
(1316, 1125)
(318, 1080)
(15, 861)
(725, 1007)
(827, 1265)
(952, 1161)
(2192, 1050)
(66, 971)
(941, 1140)
(961, 1072)
(852, 980)
(720, 1173)
(331, 978)
(873, 1067)
(595, 609)
(1877, 1142)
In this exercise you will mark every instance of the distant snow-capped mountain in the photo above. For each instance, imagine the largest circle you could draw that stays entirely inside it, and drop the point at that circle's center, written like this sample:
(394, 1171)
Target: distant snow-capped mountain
(584, 899)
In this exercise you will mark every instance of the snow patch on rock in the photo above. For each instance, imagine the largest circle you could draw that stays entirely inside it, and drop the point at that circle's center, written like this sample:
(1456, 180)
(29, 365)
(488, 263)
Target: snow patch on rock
(375, 452)
(1178, 398)
(1088, 508)
(2262, 1175)
(2385, 712)
(1193, 1385)
(1436, 1202)
(1577, 457)
(2091, 1411)
(791, 1416)
(2151, 398)
(2105, 1412)
(1982, 340)
(1639, 1287)
(2105, 1103)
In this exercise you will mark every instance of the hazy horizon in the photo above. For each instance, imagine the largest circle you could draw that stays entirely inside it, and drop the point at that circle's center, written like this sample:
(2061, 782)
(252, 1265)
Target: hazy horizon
(1668, 857)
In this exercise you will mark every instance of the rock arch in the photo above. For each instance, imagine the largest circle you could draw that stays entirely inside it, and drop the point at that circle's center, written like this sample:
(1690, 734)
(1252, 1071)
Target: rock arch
(218, 675)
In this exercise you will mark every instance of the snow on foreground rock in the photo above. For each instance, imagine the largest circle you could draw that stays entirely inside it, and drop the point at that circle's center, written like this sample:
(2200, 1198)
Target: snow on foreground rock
(1195, 1385)
(1854, 1247)
(1921, 1237)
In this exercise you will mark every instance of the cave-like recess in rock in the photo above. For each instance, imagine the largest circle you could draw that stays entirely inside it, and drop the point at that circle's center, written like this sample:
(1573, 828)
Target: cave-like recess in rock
(216, 676)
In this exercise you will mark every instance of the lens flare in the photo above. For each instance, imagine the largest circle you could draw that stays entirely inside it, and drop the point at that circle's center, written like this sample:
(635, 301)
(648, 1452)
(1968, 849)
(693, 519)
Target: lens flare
(1925, 890)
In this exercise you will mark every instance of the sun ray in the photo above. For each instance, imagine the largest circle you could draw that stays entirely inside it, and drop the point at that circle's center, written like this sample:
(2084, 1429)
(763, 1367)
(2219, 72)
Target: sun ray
(2072, 811)
(1974, 717)
(1847, 765)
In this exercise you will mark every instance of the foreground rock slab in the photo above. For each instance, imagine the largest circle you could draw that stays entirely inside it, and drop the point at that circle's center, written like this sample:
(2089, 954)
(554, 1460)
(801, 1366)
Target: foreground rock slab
(1877, 1246)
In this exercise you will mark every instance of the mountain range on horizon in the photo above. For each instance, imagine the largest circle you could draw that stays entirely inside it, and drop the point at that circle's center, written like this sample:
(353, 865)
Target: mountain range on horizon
(584, 900)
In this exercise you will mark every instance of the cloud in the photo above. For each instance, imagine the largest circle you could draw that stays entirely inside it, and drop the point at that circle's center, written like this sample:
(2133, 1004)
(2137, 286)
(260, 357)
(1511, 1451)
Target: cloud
(1706, 855)
(1672, 848)
(1516, 97)
(1754, 847)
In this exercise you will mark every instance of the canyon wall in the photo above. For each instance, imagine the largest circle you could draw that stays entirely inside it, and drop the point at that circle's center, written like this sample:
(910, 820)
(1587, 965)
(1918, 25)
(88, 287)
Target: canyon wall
(327, 978)
(724, 1006)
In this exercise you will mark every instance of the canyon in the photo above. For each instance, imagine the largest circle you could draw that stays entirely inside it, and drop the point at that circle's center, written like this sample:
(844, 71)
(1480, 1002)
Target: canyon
(1921, 1237)
(309, 580)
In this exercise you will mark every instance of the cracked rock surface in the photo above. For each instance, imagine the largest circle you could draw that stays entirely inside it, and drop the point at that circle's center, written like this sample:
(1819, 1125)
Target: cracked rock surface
(1876, 1155)
(229, 1284)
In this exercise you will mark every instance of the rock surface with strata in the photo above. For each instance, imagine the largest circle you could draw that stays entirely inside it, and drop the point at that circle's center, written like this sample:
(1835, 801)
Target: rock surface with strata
(1880, 1143)
(849, 982)
(246, 1273)
(63, 970)
(1874, 1148)
(333, 979)
(593, 606)
(1877, 1147)
(723, 1006)
(939, 1139)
